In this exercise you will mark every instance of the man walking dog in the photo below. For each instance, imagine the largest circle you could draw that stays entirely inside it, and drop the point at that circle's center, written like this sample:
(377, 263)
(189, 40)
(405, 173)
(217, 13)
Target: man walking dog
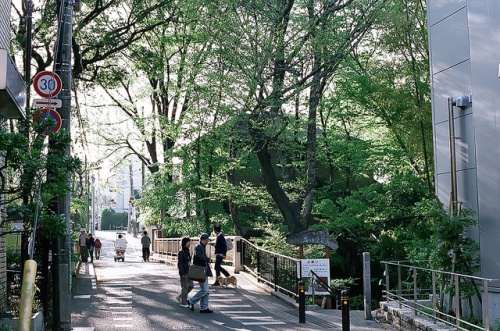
(220, 254)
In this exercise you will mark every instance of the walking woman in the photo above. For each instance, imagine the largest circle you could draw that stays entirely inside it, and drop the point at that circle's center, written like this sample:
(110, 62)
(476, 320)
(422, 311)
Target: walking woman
(200, 258)
(97, 249)
(183, 262)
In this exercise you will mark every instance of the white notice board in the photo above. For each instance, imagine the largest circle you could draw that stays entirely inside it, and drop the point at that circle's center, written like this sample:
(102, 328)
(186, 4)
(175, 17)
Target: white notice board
(321, 267)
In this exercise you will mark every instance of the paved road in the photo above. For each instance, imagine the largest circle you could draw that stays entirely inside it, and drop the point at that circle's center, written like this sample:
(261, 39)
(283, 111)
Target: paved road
(139, 295)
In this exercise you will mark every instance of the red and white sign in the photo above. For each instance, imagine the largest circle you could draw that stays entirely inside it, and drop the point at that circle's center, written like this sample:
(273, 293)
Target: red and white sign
(51, 103)
(47, 84)
(47, 113)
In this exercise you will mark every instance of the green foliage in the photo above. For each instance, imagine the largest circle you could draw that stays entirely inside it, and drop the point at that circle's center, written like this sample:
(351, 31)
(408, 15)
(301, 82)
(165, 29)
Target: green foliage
(38, 175)
(111, 219)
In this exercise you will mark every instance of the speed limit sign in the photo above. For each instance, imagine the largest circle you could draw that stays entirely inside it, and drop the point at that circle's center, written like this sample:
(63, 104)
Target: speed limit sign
(47, 84)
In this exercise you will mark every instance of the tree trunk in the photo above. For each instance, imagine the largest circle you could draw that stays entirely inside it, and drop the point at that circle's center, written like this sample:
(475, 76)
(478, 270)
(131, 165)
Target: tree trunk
(289, 210)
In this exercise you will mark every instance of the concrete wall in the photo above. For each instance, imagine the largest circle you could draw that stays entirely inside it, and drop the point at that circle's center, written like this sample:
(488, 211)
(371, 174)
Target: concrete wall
(464, 46)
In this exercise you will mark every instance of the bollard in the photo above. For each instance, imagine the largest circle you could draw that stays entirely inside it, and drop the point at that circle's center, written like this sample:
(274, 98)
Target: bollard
(302, 302)
(344, 298)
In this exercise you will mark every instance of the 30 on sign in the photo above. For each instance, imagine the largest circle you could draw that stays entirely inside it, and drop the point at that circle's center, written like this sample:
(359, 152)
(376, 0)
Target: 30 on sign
(47, 84)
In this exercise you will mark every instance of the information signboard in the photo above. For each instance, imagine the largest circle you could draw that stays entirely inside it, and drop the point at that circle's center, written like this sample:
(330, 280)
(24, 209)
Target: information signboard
(321, 267)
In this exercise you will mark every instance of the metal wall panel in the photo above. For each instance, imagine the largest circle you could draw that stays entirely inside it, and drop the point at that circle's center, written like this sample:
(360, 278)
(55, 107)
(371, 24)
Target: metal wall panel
(440, 9)
(451, 38)
(484, 29)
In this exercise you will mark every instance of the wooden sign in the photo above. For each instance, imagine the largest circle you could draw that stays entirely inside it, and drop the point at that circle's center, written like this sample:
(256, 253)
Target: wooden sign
(316, 237)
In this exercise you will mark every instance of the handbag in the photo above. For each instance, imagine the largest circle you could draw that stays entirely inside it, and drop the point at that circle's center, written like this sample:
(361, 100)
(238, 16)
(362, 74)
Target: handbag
(197, 273)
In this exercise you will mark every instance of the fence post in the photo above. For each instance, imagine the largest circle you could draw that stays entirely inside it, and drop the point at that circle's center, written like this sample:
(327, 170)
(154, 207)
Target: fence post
(367, 285)
(486, 306)
(275, 272)
(415, 290)
(400, 292)
(237, 254)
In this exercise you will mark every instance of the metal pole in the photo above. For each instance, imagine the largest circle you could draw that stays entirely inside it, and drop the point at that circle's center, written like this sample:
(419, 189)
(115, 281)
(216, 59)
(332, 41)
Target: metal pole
(453, 163)
(62, 274)
(302, 302)
(346, 325)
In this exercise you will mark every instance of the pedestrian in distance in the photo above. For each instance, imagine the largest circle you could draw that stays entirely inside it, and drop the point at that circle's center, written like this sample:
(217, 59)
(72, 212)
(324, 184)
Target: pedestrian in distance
(82, 243)
(145, 241)
(90, 247)
(200, 258)
(183, 262)
(97, 249)
(220, 254)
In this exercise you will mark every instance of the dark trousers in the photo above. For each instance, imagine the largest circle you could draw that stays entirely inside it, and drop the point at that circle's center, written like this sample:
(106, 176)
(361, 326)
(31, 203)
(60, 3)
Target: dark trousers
(145, 253)
(218, 266)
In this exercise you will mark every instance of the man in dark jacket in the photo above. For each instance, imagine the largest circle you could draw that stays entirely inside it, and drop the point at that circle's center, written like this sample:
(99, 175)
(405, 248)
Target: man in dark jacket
(200, 258)
(220, 254)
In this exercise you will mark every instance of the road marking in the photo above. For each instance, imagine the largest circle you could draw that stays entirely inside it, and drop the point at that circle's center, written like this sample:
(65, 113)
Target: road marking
(241, 312)
(118, 302)
(121, 307)
(82, 296)
(122, 319)
(121, 312)
(261, 323)
(124, 325)
(251, 317)
(83, 329)
(224, 300)
(231, 306)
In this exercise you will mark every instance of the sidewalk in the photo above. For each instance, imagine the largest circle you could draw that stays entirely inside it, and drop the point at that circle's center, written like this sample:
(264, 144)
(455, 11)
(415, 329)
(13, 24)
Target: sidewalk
(85, 282)
(329, 318)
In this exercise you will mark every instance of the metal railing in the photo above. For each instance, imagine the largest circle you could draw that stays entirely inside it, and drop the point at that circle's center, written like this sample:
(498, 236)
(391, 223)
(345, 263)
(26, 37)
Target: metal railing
(276, 270)
(166, 249)
(448, 297)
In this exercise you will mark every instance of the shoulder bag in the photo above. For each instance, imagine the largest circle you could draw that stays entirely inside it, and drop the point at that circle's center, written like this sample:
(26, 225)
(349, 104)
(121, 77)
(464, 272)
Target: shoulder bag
(197, 273)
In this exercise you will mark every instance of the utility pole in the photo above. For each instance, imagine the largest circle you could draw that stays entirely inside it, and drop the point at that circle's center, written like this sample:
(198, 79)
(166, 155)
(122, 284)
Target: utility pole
(62, 246)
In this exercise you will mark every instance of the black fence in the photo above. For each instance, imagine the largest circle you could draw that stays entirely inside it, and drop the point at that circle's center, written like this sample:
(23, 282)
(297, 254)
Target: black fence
(277, 271)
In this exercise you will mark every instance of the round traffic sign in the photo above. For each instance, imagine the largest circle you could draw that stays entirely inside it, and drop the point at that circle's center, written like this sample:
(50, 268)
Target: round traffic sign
(47, 84)
(46, 113)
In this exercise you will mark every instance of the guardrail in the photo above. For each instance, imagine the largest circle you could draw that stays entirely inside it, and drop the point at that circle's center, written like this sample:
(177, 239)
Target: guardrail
(452, 298)
(276, 270)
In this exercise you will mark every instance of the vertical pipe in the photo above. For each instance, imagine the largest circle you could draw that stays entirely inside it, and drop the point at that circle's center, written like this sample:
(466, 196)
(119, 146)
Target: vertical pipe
(453, 164)
(29, 49)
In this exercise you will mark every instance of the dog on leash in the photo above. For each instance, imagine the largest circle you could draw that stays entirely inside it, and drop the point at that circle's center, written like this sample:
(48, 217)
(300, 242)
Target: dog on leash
(228, 280)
